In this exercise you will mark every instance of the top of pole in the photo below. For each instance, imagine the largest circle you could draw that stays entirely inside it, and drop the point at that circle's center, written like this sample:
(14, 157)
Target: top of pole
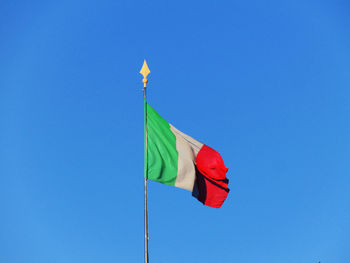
(144, 72)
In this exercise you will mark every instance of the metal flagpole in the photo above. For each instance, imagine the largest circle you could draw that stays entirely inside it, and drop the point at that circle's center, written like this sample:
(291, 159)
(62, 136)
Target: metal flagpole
(145, 71)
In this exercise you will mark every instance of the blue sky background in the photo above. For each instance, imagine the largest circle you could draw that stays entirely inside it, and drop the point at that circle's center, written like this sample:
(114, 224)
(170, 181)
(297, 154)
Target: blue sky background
(266, 83)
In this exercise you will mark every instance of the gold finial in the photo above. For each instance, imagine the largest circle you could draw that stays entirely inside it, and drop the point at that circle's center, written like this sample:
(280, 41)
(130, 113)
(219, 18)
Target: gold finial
(145, 71)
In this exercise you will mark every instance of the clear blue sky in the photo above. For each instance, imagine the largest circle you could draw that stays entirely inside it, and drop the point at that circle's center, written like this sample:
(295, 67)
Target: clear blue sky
(266, 83)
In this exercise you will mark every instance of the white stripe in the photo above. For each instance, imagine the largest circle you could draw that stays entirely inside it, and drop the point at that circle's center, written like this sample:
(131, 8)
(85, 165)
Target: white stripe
(187, 148)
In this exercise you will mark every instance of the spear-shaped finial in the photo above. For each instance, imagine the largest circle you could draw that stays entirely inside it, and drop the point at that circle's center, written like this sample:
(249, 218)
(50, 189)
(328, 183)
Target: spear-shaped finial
(145, 71)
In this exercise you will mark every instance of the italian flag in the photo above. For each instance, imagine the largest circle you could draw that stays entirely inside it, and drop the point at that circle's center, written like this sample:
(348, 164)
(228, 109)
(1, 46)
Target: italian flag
(174, 158)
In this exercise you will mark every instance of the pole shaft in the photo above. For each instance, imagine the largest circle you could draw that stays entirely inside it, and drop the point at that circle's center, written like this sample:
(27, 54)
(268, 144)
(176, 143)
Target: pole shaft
(145, 186)
(146, 224)
(144, 72)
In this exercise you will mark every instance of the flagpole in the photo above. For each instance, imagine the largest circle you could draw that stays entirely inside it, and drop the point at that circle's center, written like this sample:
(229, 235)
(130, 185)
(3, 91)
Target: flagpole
(145, 71)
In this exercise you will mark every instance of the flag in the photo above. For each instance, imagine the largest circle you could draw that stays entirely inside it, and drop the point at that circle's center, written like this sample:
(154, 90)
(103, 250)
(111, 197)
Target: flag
(174, 158)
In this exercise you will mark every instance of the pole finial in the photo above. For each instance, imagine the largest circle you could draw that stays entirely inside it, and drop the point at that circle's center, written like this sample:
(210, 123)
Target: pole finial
(144, 72)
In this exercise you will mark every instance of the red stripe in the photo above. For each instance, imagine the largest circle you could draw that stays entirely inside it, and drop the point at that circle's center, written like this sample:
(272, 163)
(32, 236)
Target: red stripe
(211, 187)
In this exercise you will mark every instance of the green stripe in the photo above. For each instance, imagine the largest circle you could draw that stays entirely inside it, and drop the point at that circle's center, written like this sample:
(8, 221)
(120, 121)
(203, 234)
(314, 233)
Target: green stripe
(145, 132)
(162, 153)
